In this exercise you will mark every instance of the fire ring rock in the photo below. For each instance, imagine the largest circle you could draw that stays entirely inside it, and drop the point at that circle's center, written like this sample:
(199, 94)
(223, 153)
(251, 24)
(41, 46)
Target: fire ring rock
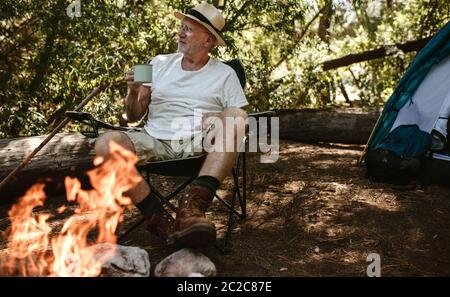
(184, 263)
(124, 261)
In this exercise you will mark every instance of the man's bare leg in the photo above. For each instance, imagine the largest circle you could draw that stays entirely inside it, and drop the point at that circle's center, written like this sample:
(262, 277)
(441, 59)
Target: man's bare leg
(158, 222)
(192, 227)
(142, 189)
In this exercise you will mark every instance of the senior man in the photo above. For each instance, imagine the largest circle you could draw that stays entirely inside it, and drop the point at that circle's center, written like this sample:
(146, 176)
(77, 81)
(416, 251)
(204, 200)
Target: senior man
(184, 83)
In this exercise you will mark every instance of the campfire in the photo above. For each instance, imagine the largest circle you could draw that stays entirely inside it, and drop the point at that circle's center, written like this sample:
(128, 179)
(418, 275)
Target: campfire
(33, 251)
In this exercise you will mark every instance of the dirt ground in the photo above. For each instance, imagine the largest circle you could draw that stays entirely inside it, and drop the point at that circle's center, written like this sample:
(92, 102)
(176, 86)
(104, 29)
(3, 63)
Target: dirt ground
(313, 213)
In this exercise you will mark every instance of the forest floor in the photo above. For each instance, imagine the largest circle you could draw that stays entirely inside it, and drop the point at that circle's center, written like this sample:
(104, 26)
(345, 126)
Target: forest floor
(314, 213)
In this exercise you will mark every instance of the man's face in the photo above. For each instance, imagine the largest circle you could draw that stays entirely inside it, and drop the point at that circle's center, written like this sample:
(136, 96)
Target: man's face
(191, 36)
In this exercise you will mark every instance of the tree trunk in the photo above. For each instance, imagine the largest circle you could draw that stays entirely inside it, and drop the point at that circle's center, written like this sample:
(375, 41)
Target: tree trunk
(325, 22)
(329, 125)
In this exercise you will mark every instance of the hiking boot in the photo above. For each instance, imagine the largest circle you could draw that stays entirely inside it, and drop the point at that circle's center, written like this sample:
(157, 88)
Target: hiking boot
(192, 228)
(161, 224)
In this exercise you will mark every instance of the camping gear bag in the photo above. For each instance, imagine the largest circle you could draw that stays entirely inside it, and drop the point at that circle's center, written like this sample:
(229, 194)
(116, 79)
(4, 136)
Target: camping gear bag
(398, 158)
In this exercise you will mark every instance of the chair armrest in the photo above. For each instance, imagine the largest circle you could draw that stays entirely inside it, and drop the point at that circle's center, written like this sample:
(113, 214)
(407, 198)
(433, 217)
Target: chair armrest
(87, 119)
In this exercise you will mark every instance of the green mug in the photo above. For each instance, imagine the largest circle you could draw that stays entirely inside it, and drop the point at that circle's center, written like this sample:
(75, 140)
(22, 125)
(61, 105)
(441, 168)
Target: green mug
(143, 73)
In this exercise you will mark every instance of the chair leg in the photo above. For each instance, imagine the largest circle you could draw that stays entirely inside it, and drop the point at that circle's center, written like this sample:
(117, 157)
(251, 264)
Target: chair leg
(242, 197)
(164, 200)
(226, 248)
(180, 188)
(244, 185)
(239, 215)
(236, 192)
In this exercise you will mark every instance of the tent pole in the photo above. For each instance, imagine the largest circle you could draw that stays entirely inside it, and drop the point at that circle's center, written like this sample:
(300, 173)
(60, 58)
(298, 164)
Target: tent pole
(364, 152)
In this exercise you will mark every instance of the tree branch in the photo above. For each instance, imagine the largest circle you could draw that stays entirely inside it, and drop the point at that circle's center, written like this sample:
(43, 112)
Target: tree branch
(381, 52)
(300, 36)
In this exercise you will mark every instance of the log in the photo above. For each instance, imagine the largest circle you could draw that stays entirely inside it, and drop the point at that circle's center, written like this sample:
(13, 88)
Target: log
(65, 154)
(68, 152)
(62, 153)
(351, 125)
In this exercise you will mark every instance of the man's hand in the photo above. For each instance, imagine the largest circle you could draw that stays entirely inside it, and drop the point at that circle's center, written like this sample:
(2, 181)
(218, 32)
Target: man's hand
(133, 86)
(138, 98)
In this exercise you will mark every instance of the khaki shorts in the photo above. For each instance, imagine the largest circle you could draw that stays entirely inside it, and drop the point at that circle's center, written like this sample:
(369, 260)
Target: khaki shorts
(149, 148)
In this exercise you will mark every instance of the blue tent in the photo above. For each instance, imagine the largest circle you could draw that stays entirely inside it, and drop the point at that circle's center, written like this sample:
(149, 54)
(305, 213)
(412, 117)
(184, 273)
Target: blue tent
(422, 98)
(437, 49)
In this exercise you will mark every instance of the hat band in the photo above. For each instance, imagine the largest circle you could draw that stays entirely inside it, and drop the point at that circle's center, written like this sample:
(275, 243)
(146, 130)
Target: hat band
(202, 18)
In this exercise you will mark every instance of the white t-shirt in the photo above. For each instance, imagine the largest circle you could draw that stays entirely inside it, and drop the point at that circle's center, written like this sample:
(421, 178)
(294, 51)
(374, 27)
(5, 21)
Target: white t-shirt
(180, 97)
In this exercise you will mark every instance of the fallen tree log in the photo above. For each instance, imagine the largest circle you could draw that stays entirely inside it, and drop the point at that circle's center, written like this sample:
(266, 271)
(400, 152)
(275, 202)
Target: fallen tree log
(62, 153)
(68, 152)
(65, 154)
(328, 125)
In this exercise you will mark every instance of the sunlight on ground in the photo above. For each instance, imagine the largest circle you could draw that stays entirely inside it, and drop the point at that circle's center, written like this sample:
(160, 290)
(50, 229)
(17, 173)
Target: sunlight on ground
(381, 200)
(294, 186)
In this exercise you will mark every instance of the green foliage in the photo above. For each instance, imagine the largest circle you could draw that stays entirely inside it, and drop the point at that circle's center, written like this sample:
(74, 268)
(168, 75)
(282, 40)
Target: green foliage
(49, 62)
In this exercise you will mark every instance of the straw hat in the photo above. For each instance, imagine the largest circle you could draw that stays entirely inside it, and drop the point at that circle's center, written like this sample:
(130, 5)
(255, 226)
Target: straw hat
(209, 16)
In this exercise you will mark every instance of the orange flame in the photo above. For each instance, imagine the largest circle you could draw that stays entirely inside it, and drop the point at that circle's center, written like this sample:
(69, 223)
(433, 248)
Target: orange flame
(100, 209)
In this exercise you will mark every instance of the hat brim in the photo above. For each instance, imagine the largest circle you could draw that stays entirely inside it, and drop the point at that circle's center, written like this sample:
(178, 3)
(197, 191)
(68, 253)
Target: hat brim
(219, 40)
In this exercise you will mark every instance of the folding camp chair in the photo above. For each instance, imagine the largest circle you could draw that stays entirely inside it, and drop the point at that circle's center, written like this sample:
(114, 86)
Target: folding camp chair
(187, 167)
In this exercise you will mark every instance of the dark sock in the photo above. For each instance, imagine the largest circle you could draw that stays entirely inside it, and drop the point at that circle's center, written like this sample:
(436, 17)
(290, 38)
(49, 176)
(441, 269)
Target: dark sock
(209, 182)
(150, 205)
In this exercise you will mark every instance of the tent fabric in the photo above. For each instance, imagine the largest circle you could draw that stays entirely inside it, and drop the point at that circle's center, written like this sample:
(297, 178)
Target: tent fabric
(436, 50)
(406, 141)
(430, 100)
(442, 122)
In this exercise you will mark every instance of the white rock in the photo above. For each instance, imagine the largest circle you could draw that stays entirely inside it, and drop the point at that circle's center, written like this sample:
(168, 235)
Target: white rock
(125, 261)
(186, 262)
(195, 274)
